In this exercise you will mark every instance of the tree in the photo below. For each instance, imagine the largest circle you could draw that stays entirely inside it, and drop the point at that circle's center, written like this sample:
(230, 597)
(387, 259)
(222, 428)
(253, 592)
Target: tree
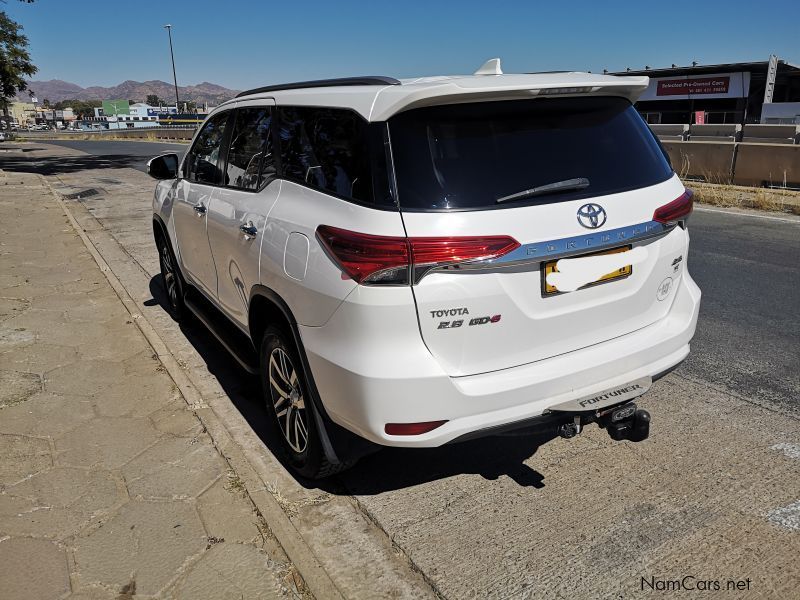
(15, 62)
(154, 100)
(81, 108)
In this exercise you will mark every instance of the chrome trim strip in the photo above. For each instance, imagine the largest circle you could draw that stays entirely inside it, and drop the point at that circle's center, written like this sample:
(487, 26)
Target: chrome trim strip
(537, 252)
(552, 249)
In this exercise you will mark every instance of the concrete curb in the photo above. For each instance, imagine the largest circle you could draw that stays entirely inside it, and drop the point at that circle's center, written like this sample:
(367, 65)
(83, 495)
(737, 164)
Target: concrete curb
(300, 554)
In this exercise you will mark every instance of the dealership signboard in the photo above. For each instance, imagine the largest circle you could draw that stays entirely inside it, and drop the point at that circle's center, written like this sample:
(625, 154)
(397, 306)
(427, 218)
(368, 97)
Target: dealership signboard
(725, 85)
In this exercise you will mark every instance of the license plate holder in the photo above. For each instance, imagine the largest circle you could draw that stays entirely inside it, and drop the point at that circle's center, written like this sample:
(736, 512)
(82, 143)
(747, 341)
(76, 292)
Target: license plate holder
(550, 267)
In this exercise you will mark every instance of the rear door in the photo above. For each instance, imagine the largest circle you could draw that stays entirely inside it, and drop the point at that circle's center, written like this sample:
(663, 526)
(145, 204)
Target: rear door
(238, 211)
(201, 175)
(488, 169)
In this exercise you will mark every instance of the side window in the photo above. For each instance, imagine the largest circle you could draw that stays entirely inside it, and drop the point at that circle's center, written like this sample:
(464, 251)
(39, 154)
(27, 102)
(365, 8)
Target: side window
(327, 149)
(251, 147)
(202, 162)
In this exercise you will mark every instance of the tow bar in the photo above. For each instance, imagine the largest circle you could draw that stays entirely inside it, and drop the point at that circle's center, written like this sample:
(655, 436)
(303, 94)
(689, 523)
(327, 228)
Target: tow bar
(625, 422)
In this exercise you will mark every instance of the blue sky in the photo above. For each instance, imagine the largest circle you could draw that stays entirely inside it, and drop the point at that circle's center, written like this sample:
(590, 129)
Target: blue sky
(246, 43)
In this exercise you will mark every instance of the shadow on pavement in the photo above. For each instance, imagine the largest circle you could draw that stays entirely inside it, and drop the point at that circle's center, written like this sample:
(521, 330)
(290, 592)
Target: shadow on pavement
(389, 469)
(57, 165)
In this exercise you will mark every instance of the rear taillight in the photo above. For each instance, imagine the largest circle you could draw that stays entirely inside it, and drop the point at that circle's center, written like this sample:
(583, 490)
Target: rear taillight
(412, 428)
(376, 259)
(677, 210)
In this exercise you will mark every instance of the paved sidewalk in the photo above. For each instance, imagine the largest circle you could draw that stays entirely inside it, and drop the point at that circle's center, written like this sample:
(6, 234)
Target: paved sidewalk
(109, 486)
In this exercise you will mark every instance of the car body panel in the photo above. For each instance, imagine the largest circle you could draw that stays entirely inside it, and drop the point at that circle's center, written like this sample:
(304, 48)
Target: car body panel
(531, 326)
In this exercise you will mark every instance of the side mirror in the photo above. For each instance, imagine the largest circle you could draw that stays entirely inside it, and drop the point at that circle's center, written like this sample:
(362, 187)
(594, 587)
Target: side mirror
(164, 166)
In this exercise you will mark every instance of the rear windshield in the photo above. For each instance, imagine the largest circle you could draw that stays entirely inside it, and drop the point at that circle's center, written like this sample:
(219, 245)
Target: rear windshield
(466, 156)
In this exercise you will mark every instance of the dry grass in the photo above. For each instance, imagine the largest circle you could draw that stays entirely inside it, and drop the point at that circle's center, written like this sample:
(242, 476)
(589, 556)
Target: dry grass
(722, 194)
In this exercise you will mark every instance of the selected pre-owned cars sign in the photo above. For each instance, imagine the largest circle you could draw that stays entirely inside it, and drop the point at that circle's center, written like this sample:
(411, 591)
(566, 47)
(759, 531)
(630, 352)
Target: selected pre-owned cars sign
(723, 85)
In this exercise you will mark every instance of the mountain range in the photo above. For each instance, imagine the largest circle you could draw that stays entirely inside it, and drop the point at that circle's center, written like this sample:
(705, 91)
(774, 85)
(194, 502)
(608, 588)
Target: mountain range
(56, 90)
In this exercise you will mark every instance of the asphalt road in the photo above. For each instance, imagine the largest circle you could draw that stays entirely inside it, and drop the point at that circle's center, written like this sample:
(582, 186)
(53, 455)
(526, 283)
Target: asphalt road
(122, 153)
(748, 334)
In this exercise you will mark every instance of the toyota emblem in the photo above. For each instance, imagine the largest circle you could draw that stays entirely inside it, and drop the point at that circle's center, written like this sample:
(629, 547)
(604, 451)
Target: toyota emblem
(591, 216)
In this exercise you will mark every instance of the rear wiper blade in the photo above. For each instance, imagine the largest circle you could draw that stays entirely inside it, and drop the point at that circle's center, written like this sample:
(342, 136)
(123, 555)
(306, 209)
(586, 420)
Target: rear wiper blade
(567, 185)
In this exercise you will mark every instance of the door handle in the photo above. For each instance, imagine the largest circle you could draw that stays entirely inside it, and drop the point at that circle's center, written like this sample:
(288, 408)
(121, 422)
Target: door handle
(249, 230)
(200, 209)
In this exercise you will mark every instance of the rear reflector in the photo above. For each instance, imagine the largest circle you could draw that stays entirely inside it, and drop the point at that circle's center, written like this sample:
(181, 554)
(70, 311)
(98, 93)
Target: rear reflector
(390, 260)
(677, 210)
(412, 428)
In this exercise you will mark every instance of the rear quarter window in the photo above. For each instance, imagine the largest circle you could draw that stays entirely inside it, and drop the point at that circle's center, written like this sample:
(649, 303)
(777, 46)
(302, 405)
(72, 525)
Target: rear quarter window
(466, 156)
(327, 149)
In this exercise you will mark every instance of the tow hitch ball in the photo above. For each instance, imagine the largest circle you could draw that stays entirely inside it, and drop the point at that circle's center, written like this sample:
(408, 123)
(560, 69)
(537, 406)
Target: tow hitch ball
(627, 423)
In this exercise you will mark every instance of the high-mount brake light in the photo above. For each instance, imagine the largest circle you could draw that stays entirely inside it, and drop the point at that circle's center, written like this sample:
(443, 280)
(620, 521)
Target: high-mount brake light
(564, 90)
(677, 210)
(375, 259)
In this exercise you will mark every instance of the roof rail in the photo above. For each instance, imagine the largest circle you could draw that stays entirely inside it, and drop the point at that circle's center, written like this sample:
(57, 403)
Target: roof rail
(343, 81)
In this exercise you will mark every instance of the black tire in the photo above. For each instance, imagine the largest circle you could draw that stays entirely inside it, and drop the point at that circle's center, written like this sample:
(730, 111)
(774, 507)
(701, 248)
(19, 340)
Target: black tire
(286, 395)
(171, 279)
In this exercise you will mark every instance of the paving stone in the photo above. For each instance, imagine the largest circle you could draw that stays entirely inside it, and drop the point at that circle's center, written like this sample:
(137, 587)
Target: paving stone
(11, 307)
(144, 545)
(106, 442)
(89, 302)
(231, 571)
(45, 414)
(174, 468)
(16, 386)
(177, 419)
(116, 388)
(136, 395)
(96, 592)
(58, 502)
(85, 378)
(36, 319)
(32, 570)
(38, 357)
(21, 456)
(229, 516)
(14, 338)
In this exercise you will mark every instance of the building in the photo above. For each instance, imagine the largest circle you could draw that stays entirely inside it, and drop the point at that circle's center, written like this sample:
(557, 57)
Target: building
(55, 118)
(725, 93)
(22, 114)
(120, 114)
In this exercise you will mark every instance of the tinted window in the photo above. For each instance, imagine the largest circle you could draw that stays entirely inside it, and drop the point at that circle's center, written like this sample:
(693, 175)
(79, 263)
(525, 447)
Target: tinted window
(202, 163)
(469, 155)
(251, 146)
(327, 149)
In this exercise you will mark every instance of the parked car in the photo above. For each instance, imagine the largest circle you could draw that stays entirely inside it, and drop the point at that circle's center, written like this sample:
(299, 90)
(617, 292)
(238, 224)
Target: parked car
(420, 262)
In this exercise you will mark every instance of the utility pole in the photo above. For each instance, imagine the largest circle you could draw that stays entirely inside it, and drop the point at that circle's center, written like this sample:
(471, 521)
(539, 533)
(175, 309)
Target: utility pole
(168, 27)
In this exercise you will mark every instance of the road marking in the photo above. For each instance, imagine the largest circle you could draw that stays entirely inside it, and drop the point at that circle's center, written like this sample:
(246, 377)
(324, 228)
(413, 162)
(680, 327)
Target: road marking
(744, 214)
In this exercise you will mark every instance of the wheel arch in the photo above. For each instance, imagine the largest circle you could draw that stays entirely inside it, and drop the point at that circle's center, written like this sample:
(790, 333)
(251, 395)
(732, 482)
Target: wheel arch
(159, 227)
(267, 307)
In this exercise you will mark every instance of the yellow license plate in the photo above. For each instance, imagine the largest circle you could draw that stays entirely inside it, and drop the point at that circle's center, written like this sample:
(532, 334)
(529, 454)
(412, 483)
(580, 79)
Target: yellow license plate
(550, 267)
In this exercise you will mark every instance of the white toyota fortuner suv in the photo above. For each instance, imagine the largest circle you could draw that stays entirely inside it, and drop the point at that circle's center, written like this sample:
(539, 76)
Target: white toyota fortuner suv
(420, 262)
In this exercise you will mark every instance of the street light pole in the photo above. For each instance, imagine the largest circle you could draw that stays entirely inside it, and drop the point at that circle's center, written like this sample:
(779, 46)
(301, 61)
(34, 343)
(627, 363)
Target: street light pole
(168, 27)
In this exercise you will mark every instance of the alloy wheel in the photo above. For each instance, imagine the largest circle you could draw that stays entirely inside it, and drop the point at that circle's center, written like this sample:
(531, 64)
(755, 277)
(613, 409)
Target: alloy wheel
(288, 400)
(170, 278)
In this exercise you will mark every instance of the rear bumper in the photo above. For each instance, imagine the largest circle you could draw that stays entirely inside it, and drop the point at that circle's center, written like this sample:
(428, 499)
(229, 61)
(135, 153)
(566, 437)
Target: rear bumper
(370, 371)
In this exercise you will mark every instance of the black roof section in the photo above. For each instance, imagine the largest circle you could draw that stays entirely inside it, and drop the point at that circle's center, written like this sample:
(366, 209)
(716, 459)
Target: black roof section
(343, 81)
